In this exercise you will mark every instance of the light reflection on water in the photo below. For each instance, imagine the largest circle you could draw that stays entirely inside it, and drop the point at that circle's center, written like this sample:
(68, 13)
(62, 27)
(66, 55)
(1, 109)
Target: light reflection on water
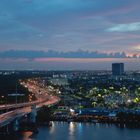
(52, 128)
(83, 131)
(26, 135)
(72, 128)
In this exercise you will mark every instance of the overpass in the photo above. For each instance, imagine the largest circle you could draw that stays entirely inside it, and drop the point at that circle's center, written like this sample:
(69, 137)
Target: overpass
(19, 110)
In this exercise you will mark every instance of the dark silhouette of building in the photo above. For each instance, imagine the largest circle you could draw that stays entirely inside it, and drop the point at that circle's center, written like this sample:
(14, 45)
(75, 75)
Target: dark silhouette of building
(117, 68)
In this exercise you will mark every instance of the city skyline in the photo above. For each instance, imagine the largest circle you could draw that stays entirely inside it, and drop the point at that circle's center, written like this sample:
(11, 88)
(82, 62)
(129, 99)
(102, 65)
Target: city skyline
(67, 26)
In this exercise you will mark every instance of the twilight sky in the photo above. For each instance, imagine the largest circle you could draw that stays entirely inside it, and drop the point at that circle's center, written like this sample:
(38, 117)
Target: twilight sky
(105, 26)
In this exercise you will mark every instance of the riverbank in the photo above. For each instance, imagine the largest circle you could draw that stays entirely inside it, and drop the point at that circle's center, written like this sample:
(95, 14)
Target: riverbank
(121, 119)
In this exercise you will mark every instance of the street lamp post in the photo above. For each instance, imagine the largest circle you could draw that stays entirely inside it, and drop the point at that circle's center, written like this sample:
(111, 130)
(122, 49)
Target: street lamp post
(16, 94)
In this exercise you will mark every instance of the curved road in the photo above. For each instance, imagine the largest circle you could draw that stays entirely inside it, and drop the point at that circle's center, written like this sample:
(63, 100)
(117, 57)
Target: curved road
(43, 98)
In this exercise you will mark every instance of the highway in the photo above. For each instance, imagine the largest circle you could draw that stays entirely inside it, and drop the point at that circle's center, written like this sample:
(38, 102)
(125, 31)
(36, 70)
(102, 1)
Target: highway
(21, 109)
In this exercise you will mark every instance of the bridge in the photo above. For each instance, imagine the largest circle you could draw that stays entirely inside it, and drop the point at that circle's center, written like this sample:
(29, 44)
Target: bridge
(16, 111)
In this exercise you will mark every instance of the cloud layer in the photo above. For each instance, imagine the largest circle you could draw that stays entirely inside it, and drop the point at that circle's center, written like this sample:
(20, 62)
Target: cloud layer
(130, 27)
(69, 25)
(31, 55)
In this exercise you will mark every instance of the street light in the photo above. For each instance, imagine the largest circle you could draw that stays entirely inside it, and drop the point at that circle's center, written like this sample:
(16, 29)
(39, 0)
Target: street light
(2, 97)
(16, 95)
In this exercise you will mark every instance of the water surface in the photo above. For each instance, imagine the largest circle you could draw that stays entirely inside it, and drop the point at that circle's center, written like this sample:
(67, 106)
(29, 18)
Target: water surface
(82, 131)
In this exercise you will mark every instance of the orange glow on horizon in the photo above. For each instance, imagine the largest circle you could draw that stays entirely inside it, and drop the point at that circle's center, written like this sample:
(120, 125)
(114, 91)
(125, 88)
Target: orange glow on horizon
(81, 59)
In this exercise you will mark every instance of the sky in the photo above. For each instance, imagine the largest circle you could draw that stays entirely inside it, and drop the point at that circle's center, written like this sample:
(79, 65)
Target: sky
(41, 26)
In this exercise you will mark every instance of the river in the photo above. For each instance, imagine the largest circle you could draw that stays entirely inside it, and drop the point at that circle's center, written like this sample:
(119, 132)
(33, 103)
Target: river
(82, 131)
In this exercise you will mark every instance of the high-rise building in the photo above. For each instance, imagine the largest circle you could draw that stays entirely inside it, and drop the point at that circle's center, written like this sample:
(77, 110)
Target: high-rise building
(117, 68)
